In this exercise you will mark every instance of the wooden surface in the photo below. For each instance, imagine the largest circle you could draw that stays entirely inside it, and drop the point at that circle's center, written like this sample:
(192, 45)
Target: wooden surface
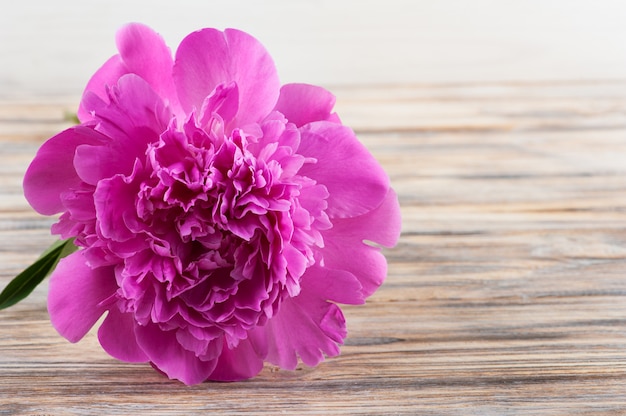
(506, 293)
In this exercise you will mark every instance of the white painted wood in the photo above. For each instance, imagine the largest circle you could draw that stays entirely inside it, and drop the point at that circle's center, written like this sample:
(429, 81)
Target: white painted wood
(52, 47)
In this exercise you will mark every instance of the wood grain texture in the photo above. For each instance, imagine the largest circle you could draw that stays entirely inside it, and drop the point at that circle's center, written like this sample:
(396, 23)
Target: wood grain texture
(505, 295)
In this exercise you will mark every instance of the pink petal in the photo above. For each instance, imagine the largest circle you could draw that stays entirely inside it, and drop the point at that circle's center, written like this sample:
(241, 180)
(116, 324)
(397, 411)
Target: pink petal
(142, 52)
(76, 295)
(208, 58)
(145, 53)
(355, 180)
(306, 326)
(345, 248)
(304, 103)
(106, 76)
(51, 173)
(133, 109)
(114, 200)
(381, 225)
(134, 117)
(333, 284)
(117, 337)
(240, 363)
(166, 353)
(224, 101)
(366, 263)
(79, 204)
(94, 163)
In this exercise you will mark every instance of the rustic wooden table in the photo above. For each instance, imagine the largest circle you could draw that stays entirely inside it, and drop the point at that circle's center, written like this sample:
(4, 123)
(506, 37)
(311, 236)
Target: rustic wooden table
(506, 293)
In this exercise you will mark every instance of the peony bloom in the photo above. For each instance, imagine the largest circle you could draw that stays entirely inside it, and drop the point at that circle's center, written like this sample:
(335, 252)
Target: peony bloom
(220, 217)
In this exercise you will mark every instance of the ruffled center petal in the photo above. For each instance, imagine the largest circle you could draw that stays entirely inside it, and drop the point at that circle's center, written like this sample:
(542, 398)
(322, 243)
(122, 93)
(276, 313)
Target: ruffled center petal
(212, 232)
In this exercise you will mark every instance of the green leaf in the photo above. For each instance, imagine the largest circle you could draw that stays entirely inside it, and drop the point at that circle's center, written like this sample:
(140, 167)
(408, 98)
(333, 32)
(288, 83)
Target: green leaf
(25, 282)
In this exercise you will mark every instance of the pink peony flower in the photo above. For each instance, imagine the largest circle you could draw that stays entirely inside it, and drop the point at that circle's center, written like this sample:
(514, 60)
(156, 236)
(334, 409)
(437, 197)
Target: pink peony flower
(220, 217)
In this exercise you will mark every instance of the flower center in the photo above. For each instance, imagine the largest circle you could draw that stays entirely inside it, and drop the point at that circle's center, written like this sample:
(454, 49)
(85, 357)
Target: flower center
(225, 232)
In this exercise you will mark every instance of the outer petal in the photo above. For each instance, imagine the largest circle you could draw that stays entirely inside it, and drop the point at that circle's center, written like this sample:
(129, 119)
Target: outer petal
(240, 363)
(51, 173)
(345, 248)
(334, 284)
(106, 76)
(355, 180)
(145, 53)
(381, 225)
(304, 103)
(208, 58)
(166, 353)
(142, 52)
(306, 326)
(117, 337)
(77, 295)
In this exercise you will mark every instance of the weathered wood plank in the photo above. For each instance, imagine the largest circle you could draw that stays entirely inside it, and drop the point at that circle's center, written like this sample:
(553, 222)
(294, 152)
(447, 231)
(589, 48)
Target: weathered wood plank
(506, 293)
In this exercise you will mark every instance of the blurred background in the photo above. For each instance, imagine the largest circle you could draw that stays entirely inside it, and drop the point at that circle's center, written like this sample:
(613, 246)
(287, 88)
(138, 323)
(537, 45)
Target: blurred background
(51, 48)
